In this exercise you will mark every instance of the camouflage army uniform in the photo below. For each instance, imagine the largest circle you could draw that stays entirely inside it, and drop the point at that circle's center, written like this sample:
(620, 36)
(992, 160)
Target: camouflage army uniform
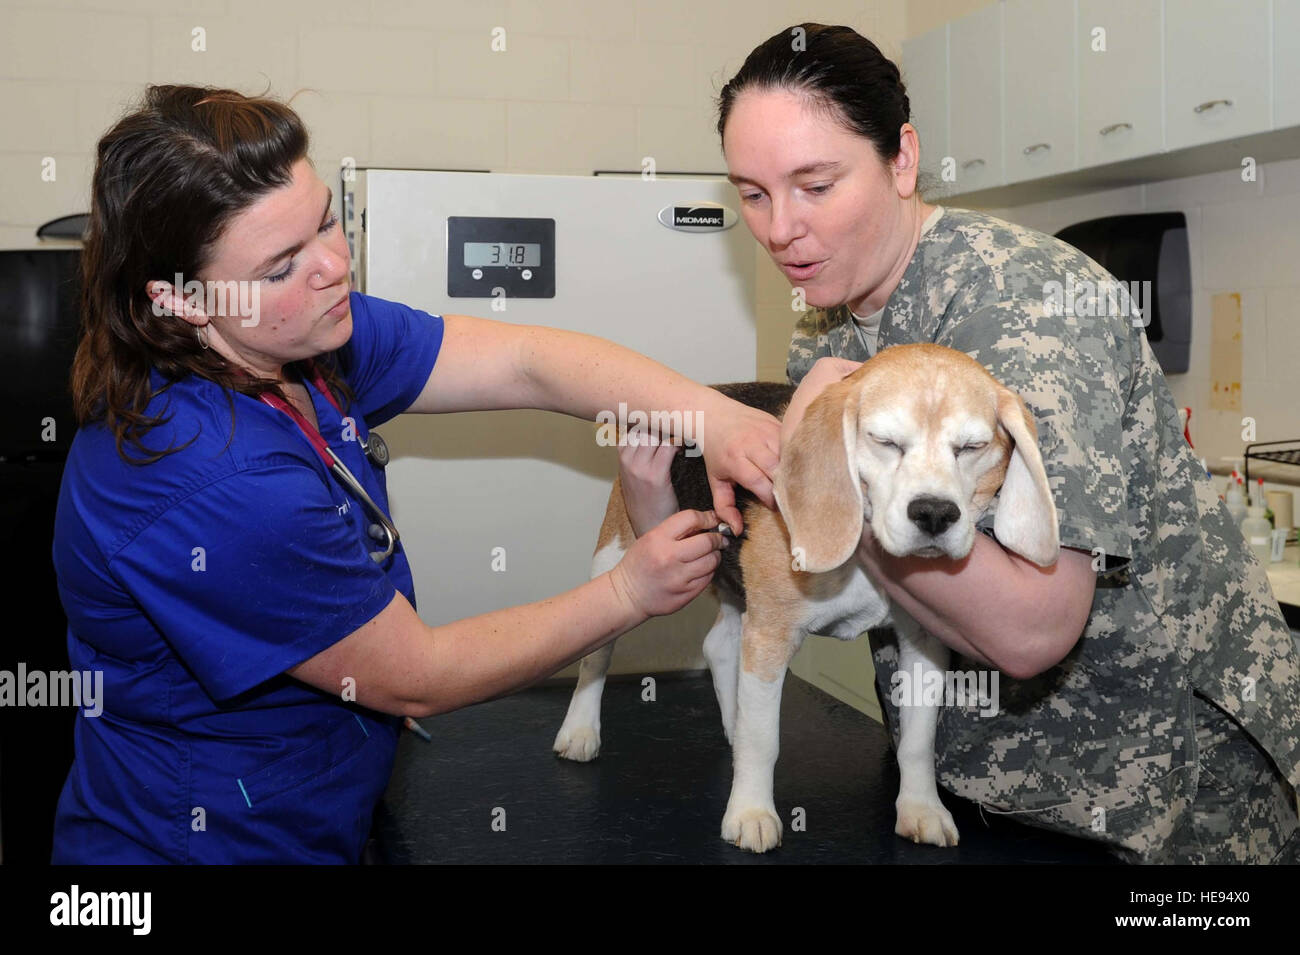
(1126, 740)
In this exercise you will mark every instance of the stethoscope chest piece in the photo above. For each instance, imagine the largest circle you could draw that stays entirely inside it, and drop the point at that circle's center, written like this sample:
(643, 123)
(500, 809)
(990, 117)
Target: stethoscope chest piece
(382, 530)
(376, 450)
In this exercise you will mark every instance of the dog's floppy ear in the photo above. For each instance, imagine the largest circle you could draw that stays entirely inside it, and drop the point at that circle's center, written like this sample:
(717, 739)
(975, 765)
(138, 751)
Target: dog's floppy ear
(1025, 521)
(817, 485)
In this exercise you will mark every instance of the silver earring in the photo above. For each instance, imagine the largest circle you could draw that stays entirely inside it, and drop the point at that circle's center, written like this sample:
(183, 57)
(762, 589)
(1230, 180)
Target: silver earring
(202, 332)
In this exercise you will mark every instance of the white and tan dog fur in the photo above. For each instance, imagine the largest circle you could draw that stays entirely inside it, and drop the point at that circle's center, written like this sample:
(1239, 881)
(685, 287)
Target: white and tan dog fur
(916, 442)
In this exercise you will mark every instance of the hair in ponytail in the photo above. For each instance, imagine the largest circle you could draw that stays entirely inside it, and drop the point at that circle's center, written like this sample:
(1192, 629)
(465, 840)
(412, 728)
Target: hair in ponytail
(840, 70)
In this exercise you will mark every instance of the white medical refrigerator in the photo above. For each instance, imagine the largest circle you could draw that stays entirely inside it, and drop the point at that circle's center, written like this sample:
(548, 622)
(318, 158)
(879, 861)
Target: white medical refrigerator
(661, 266)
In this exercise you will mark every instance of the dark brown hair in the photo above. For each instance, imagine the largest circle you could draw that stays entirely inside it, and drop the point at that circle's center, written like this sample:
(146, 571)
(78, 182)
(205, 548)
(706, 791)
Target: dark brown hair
(840, 69)
(169, 178)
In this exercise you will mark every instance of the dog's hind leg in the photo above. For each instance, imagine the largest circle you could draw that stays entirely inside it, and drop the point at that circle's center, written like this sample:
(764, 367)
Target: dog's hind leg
(921, 816)
(767, 645)
(579, 735)
(722, 651)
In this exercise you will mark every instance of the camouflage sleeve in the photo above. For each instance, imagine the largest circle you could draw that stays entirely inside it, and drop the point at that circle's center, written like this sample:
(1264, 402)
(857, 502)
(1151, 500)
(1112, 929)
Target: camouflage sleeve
(1072, 378)
(808, 342)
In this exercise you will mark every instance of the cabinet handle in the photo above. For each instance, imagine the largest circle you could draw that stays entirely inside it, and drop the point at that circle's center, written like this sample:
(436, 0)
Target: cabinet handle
(1210, 104)
(1036, 147)
(972, 163)
(1113, 127)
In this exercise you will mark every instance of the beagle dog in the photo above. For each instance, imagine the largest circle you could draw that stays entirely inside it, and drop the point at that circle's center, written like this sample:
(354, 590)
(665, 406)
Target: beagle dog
(916, 443)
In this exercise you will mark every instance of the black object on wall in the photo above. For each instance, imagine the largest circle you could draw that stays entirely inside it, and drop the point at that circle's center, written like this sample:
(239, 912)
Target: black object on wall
(39, 292)
(1147, 247)
(39, 309)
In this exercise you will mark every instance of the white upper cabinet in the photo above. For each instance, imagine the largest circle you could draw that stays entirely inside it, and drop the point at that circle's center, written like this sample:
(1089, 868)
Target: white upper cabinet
(1217, 82)
(975, 100)
(1286, 63)
(1118, 44)
(1039, 79)
(925, 74)
(1033, 90)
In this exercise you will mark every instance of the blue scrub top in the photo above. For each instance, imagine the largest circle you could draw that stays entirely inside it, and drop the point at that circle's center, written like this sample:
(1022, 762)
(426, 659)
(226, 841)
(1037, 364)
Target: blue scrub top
(193, 583)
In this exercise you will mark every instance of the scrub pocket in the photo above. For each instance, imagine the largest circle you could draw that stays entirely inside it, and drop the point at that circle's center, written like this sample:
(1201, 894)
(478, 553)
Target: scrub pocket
(1244, 811)
(317, 762)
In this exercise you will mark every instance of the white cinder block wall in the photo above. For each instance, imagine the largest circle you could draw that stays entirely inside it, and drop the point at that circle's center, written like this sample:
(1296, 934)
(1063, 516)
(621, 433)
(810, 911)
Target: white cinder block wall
(1242, 237)
(581, 85)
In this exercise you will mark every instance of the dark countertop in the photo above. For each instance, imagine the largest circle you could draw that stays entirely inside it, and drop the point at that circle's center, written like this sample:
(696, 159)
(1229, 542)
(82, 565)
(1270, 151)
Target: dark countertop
(658, 789)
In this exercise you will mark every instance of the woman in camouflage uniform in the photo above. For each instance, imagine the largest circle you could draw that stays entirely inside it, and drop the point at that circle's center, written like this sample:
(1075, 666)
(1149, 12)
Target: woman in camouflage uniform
(1150, 691)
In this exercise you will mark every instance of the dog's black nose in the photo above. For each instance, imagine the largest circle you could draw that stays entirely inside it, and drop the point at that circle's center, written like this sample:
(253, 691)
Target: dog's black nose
(934, 515)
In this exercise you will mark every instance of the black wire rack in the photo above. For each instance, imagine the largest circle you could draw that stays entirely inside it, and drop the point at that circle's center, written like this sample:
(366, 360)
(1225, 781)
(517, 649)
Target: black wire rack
(1280, 452)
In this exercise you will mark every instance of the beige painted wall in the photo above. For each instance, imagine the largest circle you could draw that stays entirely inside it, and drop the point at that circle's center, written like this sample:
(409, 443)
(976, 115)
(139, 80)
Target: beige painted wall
(924, 15)
(581, 85)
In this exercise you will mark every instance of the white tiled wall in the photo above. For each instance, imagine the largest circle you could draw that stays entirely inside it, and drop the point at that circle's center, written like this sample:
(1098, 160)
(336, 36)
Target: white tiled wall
(1242, 237)
(580, 85)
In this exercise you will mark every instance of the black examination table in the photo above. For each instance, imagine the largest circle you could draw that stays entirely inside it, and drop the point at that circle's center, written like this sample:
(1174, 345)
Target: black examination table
(658, 789)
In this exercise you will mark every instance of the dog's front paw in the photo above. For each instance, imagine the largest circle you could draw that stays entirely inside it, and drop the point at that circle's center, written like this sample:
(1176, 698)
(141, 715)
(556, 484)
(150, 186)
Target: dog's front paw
(755, 829)
(579, 743)
(925, 820)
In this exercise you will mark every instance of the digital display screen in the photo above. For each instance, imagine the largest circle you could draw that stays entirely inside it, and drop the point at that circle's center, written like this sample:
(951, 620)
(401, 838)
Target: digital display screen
(490, 255)
(517, 254)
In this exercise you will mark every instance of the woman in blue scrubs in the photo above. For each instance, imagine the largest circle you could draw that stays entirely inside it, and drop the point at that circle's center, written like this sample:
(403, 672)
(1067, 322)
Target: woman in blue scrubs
(254, 623)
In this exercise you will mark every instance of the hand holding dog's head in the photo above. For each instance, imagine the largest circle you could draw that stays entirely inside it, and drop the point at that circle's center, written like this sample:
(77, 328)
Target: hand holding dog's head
(917, 441)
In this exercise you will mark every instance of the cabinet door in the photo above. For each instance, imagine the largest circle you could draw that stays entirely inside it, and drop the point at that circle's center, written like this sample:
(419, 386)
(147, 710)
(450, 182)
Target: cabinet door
(1039, 79)
(1118, 46)
(975, 98)
(1217, 82)
(925, 74)
(1286, 63)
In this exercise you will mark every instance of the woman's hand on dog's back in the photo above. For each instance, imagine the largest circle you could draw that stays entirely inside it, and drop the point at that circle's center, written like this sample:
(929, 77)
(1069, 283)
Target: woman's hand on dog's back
(824, 372)
(668, 566)
(644, 475)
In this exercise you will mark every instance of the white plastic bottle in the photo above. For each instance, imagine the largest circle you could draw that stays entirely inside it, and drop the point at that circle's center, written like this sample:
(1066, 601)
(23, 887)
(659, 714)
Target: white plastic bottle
(1257, 531)
(1236, 502)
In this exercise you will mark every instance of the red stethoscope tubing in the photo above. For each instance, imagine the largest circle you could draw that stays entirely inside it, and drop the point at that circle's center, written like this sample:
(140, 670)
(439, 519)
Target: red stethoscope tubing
(331, 460)
(313, 436)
